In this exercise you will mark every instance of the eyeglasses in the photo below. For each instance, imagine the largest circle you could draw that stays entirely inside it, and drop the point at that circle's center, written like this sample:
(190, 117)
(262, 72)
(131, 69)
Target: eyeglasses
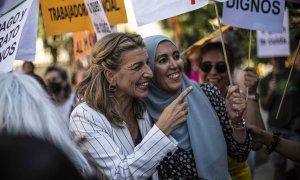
(207, 66)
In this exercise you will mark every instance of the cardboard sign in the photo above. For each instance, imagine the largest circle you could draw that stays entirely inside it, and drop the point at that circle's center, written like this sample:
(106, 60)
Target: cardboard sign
(274, 44)
(263, 15)
(115, 11)
(11, 26)
(61, 16)
(98, 18)
(155, 10)
(83, 42)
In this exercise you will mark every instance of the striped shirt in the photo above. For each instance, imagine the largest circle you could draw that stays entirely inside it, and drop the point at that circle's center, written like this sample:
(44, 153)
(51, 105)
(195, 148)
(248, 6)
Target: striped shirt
(112, 148)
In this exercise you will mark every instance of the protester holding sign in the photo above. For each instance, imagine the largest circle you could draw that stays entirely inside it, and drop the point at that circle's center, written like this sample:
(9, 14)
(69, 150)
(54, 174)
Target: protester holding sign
(213, 69)
(112, 117)
(202, 149)
(271, 89)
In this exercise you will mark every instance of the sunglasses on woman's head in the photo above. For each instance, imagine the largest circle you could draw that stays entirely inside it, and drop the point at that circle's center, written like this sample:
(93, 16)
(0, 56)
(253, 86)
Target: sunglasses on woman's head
(207, 66)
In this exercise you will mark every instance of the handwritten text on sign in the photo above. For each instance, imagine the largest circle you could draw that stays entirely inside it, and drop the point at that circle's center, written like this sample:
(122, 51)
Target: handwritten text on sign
(274, 44)
(83, 42)
(11, 26)
(98, 18)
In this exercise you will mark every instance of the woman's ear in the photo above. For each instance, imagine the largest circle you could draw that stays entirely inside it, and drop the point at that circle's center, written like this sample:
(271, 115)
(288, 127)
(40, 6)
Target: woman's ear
(110, 76)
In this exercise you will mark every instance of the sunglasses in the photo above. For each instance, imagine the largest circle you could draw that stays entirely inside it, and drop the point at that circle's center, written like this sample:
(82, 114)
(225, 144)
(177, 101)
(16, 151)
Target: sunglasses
(207, 66)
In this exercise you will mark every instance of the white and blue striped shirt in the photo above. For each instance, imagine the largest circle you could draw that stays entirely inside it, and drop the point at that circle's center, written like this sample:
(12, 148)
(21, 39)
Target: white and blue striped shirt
(112, 148)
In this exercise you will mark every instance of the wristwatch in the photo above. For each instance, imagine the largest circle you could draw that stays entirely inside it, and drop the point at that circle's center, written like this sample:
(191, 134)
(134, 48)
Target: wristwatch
(254, 97)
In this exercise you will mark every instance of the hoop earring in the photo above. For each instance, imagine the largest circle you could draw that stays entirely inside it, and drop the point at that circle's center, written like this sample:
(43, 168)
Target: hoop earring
(111, 91)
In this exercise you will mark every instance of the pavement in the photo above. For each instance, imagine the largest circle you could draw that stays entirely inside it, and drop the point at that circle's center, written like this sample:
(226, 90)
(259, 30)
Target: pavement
(264, 171)
(264, 168)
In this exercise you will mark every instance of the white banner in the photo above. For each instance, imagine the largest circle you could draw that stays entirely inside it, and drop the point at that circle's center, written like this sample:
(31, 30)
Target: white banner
(155, 10)
(27, 47)
(98, 18)
(263, 15)
(11, 26)
(274, 44)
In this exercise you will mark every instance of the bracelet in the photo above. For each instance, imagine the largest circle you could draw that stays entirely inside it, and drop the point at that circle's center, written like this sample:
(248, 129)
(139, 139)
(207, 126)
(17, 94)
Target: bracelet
(238, 126)
(274, 143)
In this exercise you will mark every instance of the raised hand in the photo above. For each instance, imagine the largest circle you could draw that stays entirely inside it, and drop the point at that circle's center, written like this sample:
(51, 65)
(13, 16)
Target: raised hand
(272, 85)
(235, 103)
(259, 137)
(251, 79)
(175, 114)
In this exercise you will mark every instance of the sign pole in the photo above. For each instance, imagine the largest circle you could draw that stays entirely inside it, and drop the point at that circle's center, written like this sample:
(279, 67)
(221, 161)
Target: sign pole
(249, 56)
(223, 44)
(284, 92)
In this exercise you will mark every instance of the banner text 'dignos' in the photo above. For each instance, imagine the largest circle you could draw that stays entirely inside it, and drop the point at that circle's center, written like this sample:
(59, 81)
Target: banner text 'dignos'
(264, 15)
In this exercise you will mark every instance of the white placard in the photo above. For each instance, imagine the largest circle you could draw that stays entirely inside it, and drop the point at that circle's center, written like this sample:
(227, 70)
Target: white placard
(27, 47)
(11, 26)
(263, 15)
(155, 10)
(274, 44)
(98, 18)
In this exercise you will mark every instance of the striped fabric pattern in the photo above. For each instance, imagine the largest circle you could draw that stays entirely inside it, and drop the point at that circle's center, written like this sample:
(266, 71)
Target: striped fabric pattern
(112, 148)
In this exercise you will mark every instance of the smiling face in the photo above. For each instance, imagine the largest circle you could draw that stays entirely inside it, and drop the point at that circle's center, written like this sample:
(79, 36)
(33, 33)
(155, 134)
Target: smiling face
(215, 58)
(134, 74)
(168, 67)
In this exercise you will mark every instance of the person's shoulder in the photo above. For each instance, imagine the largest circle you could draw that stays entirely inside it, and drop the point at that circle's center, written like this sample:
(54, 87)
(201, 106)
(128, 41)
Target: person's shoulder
(83, 107)
(83, 110)
(209, 88)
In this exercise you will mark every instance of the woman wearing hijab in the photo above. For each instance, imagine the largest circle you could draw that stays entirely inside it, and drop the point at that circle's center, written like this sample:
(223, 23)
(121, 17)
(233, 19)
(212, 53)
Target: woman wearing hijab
(207, 137)
(119, 136)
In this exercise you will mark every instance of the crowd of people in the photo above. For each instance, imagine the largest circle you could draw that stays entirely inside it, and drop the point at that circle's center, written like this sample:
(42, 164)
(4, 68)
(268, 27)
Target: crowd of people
(135, 114)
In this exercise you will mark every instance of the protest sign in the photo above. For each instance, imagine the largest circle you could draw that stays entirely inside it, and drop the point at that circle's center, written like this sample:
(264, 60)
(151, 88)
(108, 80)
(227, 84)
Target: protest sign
(98, 18)
(27, 47)
(274, 44)
(11, 26)
(266, 15)
(62, 16)
(83, 42)
(156, 10)
(115, 11)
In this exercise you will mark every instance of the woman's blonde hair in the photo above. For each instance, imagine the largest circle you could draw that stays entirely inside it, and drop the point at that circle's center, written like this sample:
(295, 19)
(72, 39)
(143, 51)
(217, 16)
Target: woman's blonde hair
(94, 89)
